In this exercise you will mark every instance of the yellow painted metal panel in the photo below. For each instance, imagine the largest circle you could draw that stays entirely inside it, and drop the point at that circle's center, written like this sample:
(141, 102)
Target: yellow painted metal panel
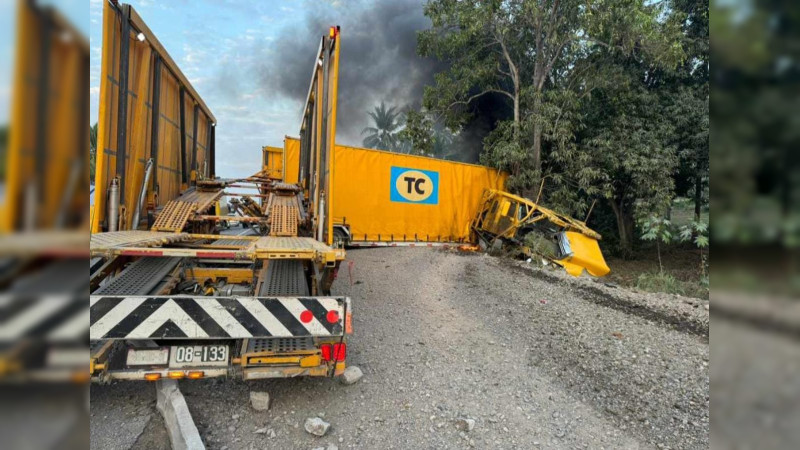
(362, 196)
(171, 168)
(291, 161)
(272, 162)
(43, 187)
(586, 254)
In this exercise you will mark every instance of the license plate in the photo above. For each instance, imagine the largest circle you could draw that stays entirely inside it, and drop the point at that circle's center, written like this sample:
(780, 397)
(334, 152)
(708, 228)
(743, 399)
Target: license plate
(148, 356)
(198, 355)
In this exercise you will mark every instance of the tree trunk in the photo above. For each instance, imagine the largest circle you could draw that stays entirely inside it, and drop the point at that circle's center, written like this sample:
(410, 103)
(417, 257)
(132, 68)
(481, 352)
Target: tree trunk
(698, 194)
(624, 227)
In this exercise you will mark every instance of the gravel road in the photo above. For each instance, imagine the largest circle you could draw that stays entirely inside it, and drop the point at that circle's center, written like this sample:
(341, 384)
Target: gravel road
(536, 361)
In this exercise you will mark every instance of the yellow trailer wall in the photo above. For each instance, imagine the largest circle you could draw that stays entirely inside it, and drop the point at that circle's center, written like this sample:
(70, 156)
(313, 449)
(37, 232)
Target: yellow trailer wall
(370, 194)
(172, 170)
(272, 162)
(48, 137)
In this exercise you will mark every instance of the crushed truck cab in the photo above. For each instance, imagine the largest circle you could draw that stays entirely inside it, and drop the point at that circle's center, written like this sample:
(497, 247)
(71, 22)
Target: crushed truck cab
(564, 240)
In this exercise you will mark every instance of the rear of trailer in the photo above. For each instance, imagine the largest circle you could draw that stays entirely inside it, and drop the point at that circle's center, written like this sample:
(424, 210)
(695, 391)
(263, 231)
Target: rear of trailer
(170, 301)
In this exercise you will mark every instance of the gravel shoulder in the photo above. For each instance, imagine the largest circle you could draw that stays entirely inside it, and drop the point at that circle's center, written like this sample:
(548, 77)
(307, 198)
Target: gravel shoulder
(439, 335)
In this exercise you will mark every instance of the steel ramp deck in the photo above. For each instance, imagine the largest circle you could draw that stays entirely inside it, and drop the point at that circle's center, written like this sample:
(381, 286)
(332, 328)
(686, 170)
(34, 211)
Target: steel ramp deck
(134, 238)
(149, 243)
(140, 277)
(284, 277)
(284, 215)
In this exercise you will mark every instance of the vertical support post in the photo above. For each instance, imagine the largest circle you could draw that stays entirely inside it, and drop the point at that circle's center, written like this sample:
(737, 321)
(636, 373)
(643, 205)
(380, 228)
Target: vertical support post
(212, 169)
(208, 147)
(184, 172)
(194, 143)
(41, 111)
(122, 113)
(156, 116)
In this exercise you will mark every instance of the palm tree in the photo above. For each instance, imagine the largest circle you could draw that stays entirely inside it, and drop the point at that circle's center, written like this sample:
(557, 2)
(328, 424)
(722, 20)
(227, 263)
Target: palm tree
(384, 134)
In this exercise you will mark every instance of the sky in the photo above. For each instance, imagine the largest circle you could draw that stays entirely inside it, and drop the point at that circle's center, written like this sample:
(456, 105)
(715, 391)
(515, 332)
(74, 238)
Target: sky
(251, 62)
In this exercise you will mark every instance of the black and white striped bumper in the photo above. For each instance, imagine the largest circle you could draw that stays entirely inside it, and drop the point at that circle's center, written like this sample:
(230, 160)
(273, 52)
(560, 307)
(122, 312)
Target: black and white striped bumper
(186, 317)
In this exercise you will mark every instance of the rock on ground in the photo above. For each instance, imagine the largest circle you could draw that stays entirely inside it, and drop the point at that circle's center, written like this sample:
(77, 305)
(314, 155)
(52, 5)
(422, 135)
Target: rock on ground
(316, 426)
(259, 400)
(464, 424)
(351, 375)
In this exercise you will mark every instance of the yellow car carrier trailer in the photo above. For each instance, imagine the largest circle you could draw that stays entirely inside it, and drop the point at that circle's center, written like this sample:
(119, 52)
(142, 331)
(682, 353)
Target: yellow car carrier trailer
(172, 298)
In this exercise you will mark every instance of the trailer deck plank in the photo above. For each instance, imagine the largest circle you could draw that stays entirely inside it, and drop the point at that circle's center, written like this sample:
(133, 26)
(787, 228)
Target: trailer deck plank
(133, 238)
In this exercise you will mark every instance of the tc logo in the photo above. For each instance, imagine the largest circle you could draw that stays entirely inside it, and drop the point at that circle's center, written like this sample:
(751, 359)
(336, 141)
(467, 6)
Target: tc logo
(414, 186)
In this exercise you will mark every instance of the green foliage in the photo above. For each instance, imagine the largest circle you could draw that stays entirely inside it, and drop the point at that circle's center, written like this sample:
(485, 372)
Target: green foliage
(418, 132)
(383, 133)
(92, 151)
(696, 232)
(541, 245)
(606, 99)
(660, 282)
(658, 229)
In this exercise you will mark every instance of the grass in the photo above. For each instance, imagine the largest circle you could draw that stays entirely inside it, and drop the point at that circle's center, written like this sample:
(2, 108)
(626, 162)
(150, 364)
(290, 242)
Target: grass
(660, 282)
(681, 264)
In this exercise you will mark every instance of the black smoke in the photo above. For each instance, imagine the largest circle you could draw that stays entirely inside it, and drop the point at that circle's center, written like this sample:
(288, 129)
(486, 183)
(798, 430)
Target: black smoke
(379, 62)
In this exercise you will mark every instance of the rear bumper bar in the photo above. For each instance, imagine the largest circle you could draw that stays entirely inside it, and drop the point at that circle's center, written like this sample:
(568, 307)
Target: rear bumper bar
(188, 317)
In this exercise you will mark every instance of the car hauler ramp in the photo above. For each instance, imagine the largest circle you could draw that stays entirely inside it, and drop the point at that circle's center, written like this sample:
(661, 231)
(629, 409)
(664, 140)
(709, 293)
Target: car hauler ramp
(148, 243)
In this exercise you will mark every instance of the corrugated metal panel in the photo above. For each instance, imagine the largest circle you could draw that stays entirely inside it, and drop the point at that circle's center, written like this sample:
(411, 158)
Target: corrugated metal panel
(146, 58)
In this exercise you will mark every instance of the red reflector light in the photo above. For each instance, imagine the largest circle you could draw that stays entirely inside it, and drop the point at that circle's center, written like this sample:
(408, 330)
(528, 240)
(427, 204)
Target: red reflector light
(339, 351)
(332, 316)
(326, 351)
(306, 316)
(335, 352)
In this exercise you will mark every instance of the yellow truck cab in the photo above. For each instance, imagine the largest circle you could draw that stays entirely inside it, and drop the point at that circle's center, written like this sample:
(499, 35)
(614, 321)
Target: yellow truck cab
(507, 217)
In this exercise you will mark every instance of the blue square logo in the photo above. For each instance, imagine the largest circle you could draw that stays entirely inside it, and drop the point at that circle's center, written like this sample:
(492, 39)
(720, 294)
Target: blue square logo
(414, 186)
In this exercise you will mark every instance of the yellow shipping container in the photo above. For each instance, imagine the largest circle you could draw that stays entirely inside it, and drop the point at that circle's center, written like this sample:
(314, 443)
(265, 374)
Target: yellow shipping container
(385, 196)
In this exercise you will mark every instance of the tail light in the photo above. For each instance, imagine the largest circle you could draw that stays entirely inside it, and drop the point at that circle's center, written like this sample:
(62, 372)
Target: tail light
(334, 352)
(176, 375)
(152, 376)
(195, 375)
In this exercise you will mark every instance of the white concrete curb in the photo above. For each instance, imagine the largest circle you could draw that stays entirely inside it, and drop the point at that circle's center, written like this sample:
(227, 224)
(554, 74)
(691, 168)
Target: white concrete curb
(182, 431)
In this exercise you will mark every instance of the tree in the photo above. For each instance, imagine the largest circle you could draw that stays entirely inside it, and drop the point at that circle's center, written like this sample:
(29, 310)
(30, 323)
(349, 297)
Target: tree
(383, 134)
(417, 133)
(690, 81)
(92, 151)
(523, 49)
(625, 149)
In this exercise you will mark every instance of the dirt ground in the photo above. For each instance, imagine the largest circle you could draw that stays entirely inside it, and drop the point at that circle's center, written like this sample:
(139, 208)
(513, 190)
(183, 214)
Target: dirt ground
(536, 362)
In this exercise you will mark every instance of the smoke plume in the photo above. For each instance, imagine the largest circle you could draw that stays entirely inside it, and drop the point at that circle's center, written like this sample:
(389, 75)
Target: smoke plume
(378, 60)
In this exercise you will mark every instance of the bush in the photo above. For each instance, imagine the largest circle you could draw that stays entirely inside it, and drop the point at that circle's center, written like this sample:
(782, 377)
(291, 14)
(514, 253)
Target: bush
(660, 282)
